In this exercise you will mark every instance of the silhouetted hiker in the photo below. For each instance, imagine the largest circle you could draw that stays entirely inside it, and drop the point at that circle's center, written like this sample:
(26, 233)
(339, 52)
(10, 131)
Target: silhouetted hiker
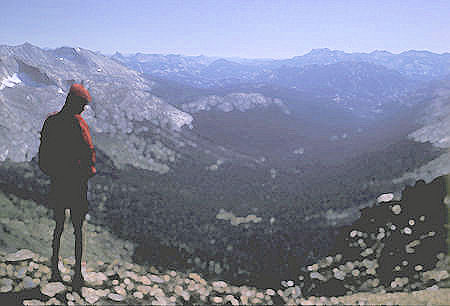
(67, 155)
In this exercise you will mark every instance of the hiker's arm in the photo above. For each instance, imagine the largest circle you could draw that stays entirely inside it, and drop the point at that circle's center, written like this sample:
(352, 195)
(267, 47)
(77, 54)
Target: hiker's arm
(87, 156)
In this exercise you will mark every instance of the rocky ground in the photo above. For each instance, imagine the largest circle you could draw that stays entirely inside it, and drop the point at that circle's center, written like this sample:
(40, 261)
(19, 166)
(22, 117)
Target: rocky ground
(24, 279)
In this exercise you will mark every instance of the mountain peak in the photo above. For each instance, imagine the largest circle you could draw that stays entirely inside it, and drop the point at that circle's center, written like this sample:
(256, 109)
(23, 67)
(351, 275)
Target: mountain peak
(321, 50)
(380, 52)
(324, 51)
(417, 53)
(27, 44)
(118, 56)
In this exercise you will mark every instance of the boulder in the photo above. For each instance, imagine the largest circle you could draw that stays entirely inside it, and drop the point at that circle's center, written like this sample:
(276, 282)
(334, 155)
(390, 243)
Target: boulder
(116, 297)
(20, 255)
(6, 285)
(52, 289)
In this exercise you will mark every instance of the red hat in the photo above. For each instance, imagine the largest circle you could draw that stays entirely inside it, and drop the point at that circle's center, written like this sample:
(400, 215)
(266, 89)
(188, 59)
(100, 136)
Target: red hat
(79, 91)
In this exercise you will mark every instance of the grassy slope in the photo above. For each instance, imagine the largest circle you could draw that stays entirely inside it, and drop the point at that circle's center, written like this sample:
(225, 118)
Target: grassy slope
(24, 224)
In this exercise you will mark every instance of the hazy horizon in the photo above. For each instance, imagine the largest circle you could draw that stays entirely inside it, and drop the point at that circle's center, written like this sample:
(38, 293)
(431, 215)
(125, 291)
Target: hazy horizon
(217, 56)
(247, 29)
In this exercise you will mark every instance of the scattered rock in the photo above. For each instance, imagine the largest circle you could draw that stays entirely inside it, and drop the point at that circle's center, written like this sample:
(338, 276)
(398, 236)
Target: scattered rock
(29, 283)
(52, 289)
(145, 280)
(219, 284)
(217, 300)
(54, 301)
(21, 272)
(6, 285)
(120, 290)
(396, 209)
(156, 279)
(102, 292)
(20, 255)
(95, 278)
(386, 197)
(90, 295)
(138, 295)
(116, 297)
(32, 302)
(144, 289)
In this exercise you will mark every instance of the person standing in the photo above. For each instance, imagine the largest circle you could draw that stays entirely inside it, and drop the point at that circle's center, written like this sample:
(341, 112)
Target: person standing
(67, 155)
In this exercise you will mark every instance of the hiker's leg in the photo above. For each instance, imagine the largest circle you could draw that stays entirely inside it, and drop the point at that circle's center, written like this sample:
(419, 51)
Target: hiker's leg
(77, 221)
(59, 216)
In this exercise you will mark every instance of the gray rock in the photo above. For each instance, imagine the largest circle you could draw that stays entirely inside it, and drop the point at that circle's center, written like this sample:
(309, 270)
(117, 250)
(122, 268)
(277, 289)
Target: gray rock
(69, 296)
(32, 302)
(90, 295)
(162, 300)
(318, 276)
(338, 274)
(96, 278)
(156, 279)
(28, 283)
(116, 297)
(396, 209)
(20, 255)
(21, 273)
(386, 197)
(6, 285)
(52, 289)
(54, 301)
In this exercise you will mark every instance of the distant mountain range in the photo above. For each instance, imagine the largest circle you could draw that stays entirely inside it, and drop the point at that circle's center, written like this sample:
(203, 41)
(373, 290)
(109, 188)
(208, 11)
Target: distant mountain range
(418, 65)
(376, 78)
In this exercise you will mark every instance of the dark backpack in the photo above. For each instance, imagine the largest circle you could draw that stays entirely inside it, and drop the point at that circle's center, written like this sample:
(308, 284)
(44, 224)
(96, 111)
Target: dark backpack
(62, 151)
(45, 150)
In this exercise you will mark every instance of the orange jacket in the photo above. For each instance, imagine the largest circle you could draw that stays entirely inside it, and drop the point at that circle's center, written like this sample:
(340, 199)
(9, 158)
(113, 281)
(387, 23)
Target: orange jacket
(66, 148)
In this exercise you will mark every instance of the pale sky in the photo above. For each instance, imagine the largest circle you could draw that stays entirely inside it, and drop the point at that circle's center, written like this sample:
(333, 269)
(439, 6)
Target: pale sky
(244, 28)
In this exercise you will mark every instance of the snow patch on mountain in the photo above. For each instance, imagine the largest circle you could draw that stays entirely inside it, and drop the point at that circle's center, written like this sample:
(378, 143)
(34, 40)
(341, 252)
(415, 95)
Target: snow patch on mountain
(235, 221)
(234, 101)
(215, 167)
(10, 81)
(179, 118)
(299, 151)
(436, 123)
